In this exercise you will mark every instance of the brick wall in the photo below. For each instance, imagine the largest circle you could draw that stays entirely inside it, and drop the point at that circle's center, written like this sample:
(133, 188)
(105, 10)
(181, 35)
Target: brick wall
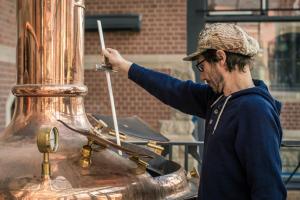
(163, 29)
(290, 117)
(7, 41)
(8, 22)
(130, 99)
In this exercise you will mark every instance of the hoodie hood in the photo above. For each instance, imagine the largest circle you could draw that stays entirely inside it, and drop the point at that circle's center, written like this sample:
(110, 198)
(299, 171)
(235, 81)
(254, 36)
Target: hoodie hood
(262, 90)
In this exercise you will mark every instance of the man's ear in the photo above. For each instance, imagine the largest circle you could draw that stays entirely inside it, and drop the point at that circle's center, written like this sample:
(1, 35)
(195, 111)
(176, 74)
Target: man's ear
(221, 55)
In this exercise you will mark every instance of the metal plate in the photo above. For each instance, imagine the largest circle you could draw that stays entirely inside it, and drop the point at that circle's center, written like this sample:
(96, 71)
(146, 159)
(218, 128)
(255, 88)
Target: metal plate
(134, 127)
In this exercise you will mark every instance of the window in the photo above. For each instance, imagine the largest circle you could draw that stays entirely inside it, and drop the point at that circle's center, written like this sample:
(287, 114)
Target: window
(277, 62)
(233, 4)
(276, 26)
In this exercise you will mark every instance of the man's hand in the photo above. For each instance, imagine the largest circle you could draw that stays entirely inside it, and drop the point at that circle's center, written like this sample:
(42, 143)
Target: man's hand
(116, 60)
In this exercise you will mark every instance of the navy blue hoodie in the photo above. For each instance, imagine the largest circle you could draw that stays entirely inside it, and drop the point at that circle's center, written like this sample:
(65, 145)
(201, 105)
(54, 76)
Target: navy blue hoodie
(242, 135)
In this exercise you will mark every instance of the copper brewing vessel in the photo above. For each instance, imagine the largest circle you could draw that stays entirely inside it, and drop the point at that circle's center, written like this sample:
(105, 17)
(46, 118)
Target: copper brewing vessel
(49, 93)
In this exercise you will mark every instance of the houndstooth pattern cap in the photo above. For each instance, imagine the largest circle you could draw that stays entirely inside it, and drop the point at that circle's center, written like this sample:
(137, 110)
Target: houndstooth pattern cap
(226, 37)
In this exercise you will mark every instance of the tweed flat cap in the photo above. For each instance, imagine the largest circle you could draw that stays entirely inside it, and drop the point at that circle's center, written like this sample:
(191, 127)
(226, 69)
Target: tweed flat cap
(226, 37)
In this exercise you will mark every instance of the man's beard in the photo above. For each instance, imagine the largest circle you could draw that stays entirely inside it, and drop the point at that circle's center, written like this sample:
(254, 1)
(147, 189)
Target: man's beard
(217, 83)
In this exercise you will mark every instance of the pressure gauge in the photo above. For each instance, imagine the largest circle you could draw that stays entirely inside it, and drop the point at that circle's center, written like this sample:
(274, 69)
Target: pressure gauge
(47, 140)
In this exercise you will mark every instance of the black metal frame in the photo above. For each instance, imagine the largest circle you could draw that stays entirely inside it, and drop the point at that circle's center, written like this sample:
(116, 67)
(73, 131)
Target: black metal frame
(262, 9)
(252, 18)
(287, 181)
(114, 22)
(195, 23)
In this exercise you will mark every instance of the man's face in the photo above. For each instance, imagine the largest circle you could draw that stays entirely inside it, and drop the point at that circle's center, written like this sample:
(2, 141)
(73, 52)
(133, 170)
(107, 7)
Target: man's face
(211, 75)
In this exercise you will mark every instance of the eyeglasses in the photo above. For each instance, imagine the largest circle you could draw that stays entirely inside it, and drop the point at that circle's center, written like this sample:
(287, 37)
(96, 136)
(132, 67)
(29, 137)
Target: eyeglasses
(200, 65)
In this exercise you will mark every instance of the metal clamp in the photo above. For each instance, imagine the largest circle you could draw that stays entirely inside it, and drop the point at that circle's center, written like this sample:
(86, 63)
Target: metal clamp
(105, 67)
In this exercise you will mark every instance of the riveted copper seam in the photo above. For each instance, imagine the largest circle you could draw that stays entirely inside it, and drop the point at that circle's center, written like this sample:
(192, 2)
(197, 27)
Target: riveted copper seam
(40, 90)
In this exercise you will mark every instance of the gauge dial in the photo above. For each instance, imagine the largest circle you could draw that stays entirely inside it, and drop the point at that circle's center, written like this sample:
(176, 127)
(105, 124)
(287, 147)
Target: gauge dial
(47, 140)
(53, 139)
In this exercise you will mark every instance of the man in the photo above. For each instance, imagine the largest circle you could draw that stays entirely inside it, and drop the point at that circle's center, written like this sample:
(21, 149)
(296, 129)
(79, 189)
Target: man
(243, 133)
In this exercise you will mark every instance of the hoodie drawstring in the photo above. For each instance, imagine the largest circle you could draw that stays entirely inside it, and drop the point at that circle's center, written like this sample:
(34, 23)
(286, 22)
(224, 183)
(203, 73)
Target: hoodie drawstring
(216, 101)
(219, 116)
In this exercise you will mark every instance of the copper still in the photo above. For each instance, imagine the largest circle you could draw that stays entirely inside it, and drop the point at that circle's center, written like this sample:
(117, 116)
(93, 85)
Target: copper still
(50, 150)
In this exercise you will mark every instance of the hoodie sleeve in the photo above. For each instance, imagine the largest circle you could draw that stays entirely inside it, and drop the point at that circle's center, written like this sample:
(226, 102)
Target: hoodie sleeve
(257, 145)
(186, 96)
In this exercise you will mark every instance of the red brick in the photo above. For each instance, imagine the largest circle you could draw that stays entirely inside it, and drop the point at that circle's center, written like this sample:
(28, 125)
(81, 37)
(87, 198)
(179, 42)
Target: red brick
(290, 116)
(130, 99)
(158, 21)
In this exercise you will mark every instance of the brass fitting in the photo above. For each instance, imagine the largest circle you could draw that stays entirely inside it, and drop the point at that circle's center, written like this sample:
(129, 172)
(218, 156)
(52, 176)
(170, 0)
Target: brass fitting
(47, 140)
(46, 167)
(113, 133)
(141, 165)
(194, 173)
(155, 147)
(100, 125)
(86, 153)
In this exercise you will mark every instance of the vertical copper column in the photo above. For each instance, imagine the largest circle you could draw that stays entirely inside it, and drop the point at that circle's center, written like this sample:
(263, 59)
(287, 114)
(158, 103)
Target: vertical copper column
(50, 68)
(50, 41)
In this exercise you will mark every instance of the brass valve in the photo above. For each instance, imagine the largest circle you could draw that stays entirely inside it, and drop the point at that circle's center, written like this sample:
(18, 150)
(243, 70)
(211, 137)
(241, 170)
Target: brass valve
(141, 165)
(194, 173)
(86, 153)
(102, 127)
(100, 124)
(155, 147)
(113, 133)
